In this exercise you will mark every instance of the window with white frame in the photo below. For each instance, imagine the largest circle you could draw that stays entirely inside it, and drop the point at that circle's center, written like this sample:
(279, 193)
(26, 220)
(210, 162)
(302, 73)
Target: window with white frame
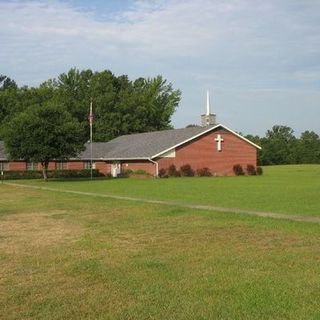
(30, 166)
(87, 165)
(4, 166)
(61, 165)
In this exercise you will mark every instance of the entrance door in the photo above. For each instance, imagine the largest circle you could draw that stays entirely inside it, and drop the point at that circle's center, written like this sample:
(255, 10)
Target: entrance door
(115, 169)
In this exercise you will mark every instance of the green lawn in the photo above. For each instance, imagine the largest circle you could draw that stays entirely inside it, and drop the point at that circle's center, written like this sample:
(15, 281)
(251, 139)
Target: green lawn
(286, 189)
(68, 256)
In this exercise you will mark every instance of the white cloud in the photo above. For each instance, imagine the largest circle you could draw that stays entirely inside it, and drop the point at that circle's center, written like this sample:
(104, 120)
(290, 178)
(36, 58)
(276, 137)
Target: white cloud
(231, 45)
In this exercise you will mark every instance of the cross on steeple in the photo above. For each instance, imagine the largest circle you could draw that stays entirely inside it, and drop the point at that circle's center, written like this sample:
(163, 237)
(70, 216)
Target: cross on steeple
(219, 139)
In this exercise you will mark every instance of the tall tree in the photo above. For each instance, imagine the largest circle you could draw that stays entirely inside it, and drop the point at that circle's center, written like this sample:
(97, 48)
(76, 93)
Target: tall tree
(43, 134)
(121, 106)
(8, 97)
(278, 145)
(308, 148)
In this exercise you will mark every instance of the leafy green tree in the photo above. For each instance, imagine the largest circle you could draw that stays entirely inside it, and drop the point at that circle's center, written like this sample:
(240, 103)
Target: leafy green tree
(8, 96)
(74, 92)
(257, 140)
(120, 105)
(7, 83)
(308, 148)
(14, 100)
(278, 146)
(42, 134)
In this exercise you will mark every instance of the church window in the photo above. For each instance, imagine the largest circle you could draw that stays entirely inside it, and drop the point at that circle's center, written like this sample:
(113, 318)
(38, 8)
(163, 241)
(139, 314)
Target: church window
(4, 166)
(61, 165)
(31, 166)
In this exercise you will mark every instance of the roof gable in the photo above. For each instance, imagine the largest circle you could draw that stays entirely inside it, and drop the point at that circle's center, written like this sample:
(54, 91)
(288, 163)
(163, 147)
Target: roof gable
(212, 128)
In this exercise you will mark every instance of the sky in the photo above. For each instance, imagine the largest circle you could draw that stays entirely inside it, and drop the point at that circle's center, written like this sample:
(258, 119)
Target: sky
(259, 59)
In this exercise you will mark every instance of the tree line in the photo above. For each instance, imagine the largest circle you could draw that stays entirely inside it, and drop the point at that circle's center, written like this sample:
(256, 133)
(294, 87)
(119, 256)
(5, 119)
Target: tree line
(121, 106)
(281, 146)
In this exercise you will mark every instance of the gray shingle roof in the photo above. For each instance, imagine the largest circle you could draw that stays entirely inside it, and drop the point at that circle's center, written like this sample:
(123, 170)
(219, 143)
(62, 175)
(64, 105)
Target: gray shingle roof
(98, 151)
(140, 145)
(149, 144)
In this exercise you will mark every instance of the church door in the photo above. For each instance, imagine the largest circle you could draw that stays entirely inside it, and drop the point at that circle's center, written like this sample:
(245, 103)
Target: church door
(115, 169)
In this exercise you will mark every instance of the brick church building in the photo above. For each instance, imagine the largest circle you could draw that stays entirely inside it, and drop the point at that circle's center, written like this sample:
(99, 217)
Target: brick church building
(213, 146)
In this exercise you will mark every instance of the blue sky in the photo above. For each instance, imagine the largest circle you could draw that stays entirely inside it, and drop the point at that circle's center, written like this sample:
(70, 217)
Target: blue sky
(259, 59)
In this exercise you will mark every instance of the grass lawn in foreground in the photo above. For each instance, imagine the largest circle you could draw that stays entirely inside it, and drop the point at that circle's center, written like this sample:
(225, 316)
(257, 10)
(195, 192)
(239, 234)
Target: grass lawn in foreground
(65, 256)
(293, 189)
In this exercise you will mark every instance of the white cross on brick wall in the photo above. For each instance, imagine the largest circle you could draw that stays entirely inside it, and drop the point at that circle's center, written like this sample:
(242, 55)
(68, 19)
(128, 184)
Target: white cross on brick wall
(219, 139)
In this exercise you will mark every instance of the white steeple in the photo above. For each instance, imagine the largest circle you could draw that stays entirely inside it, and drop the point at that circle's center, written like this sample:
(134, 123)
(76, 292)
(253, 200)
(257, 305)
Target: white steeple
(208, 102)
(208, 118)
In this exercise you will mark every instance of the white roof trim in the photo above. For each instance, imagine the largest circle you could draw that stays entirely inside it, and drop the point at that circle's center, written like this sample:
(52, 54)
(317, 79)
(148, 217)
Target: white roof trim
(135, 158)
(107, 159)
(241, 137)
(202, 133)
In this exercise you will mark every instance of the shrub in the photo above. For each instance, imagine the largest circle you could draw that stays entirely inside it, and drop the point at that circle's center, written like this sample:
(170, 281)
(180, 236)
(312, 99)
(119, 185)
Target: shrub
(162, 173)
(204, 172)
(127, 171)
(172, 170)
(13, 175)
(186, 171)
(177, 173)
(140, 171)
(237, 169)
(251, 170)
(259, 171)
(83, 173)
(37, 174)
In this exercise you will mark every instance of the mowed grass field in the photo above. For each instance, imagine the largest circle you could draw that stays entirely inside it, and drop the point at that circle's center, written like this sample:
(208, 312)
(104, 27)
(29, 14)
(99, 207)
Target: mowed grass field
(70, 256)
(293, 189)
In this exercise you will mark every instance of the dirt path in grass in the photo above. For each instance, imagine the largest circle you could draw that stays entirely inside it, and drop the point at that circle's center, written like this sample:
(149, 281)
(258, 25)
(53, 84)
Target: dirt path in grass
(273, 215)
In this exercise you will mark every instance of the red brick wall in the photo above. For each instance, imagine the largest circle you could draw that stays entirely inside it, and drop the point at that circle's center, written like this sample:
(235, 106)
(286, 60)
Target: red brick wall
(72, 165)
(75, 165)
(147, 166)
(52, 166)
(203, 152)
(20, 166)
(103, 167)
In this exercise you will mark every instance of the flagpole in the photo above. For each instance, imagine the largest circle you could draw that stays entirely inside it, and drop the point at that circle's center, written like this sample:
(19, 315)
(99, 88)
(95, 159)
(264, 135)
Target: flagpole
(91, 120)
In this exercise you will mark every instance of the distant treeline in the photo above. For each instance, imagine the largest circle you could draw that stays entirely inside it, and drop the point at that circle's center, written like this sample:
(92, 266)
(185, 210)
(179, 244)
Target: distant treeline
(121, 106)
(281, 146)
